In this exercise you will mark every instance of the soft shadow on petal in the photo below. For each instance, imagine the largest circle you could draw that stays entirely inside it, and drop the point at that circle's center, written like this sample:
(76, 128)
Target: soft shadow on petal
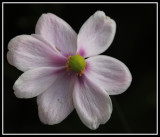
(109, 73)
(96, 34)
(27, 52)
(45, 41)
(91, 102)
(58, 33)
(55, 104)
(33, 82)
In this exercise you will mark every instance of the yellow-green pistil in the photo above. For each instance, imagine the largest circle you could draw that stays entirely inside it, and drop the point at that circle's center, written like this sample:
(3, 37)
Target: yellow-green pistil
(77, 63)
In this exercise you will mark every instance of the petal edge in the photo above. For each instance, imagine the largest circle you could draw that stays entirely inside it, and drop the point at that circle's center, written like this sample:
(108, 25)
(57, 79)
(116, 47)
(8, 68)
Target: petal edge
(96, 34)
(92, 103)
(110, 73)
(33, 82)
(58, 32)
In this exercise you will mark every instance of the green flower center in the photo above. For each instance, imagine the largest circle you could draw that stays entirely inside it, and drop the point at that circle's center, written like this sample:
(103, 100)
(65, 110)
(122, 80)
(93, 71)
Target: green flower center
(77, 63)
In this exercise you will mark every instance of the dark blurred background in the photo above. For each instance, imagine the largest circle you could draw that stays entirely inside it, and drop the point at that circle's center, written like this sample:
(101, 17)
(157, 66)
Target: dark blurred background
(134, 111)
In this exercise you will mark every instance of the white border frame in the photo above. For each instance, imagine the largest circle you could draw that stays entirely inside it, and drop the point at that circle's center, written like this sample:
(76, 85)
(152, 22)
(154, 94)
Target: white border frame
(81, 3)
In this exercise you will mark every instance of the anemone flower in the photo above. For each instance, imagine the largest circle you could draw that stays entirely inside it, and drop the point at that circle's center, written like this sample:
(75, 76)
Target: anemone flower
(64, 70)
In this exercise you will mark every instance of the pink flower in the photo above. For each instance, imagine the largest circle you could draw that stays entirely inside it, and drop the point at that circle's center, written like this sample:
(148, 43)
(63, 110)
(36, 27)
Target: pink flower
(58, 71)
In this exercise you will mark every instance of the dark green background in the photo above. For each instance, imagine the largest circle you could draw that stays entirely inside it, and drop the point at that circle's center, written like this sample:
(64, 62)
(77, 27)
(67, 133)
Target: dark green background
(135, 44)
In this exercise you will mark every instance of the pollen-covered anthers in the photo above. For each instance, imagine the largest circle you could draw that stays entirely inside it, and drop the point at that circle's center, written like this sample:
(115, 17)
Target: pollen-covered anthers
(76, 64)
(67, 64)
(81, 72)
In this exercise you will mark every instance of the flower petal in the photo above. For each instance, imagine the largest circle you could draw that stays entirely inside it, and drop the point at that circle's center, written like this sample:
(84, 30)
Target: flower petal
(35, 81)
(55, 104)
(96, 34)
(27, 52)
(110, 73)
(92, 103)
(45, 41)
(58, 33)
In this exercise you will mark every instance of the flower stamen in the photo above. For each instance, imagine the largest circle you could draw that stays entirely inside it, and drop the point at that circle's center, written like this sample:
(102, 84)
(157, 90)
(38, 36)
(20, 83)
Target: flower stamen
(76, 63)
(67, 63)
(58, 49)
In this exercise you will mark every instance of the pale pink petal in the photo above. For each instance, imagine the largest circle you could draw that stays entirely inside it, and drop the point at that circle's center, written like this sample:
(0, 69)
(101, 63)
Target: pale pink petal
(96, 34)
(109, 73)
(55, 104)
(35, 81)
(91, 102)
(46, 42)
(27, 52)
(58, 33)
